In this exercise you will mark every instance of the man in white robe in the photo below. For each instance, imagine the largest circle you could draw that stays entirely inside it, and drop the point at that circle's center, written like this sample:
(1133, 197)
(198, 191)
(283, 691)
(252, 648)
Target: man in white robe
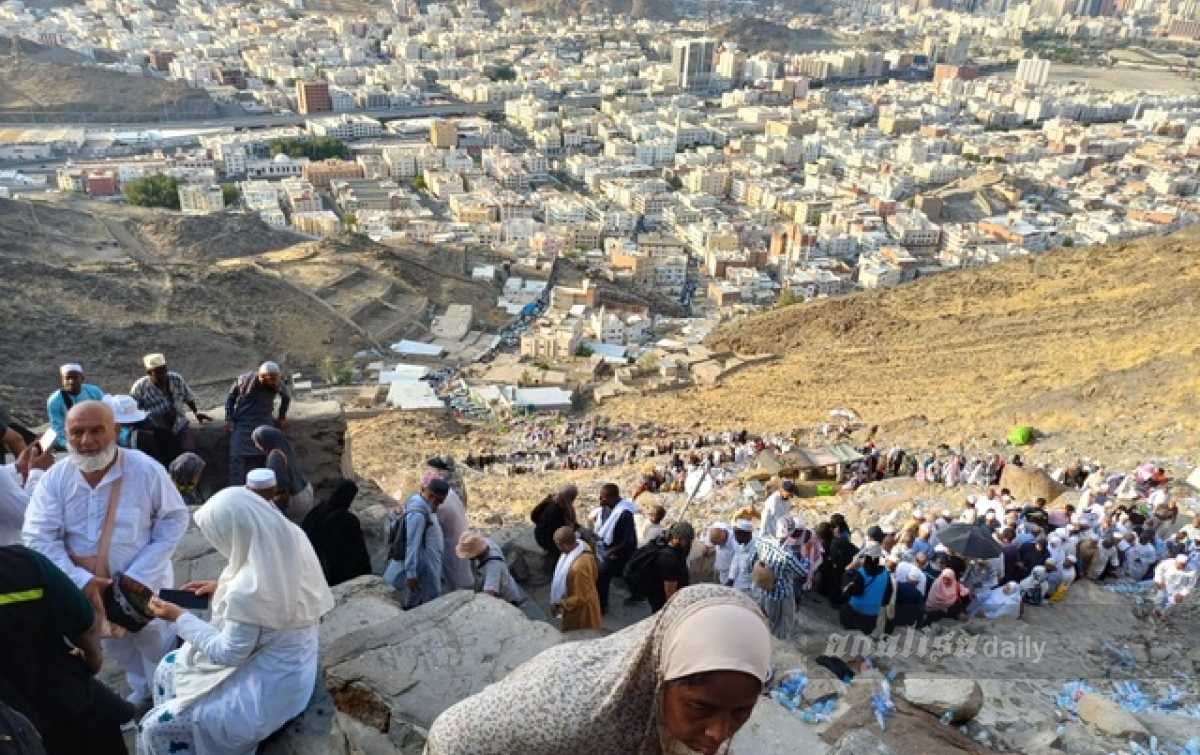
(66, 518)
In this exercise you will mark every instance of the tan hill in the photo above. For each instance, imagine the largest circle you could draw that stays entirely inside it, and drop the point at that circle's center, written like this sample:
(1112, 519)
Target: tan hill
(103, 285)
(1095, 343)
(753, 35)
(648, 9)
(46, 83)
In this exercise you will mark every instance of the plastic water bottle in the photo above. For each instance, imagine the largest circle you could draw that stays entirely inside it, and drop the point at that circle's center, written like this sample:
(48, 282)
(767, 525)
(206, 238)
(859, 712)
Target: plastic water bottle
(947, 717)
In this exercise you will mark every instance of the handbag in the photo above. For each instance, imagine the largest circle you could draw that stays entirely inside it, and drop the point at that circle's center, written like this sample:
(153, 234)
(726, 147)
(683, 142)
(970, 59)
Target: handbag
(764, 577)
(125, 601)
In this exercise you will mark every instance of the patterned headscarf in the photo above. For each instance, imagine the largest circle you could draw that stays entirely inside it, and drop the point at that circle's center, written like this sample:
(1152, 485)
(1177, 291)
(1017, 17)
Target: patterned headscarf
(600, 697)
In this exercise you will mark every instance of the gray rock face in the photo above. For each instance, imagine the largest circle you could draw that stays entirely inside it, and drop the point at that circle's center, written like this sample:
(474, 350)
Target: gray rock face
(861, 742)
(938, 695)
(391, 676)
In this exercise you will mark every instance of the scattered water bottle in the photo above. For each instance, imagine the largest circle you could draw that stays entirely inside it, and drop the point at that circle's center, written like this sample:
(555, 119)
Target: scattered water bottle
(947, 717)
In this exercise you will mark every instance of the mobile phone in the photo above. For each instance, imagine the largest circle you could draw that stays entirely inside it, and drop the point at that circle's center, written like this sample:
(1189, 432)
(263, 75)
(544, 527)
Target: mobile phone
(47, 440)
(185, 598)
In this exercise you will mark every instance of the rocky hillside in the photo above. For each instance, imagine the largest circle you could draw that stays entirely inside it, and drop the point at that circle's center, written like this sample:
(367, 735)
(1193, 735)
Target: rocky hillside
(1094, 342)
(104, 284)
(753, 35)
(45, 82)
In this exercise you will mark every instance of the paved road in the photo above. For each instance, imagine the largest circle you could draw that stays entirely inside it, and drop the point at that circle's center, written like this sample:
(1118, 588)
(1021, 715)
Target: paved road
(264, 121)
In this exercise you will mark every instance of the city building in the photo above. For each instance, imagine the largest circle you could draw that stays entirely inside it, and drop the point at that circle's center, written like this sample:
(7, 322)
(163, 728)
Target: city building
(200, 199)
(693, 61)
(443, 134)
(313, 97)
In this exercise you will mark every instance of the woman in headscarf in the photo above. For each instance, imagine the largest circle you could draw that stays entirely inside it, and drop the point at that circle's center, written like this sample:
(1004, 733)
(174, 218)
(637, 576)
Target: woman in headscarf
(242, 677)
(682, 681)
(813, 549)
(294, 493)
(336, 536)
(947, 598)
(185, 471)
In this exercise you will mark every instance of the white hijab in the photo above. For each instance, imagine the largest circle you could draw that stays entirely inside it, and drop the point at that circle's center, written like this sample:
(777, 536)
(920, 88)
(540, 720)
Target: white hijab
(558, 585)
(273, 580)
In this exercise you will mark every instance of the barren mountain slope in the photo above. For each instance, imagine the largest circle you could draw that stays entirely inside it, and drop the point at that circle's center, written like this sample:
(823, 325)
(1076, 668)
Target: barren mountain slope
(1088, 342)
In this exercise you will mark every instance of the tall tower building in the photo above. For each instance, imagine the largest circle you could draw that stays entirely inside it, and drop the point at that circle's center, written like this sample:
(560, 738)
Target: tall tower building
(693, 61)
(1034, 71)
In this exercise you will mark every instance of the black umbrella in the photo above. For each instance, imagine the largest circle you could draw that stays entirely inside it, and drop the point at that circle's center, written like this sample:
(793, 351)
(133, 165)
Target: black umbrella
(969, 541)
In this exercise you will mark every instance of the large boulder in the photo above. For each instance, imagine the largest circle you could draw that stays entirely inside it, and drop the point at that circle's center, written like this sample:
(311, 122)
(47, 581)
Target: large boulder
(394, 675)
(1027, 483)
(1109, 718)
(861, 742)
(941, 694)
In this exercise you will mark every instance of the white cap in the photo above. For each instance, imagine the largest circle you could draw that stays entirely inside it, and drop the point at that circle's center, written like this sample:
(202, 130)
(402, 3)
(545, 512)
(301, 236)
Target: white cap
(260, 479)
(268, 368)
(70, 367)
(154, 361)
(745, 525)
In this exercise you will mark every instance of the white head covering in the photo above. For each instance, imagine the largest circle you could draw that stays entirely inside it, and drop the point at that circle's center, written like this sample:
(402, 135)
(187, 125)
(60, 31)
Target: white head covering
(745, 525)
(70, 367)
(154, 361)
(260, 479)
(273, 580)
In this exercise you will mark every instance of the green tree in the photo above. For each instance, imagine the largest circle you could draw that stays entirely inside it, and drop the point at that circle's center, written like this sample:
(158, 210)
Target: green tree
(351, 221)
(504, 73)
(648, 363)
(231, 194)
(419, 183)
(328, 370)
(584, 351)
(786, 298)
(152, 191)
(317, 148)
(1068, 242)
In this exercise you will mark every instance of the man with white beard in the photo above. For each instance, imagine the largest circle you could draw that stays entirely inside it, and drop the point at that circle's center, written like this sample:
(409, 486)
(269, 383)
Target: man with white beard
(68, 514)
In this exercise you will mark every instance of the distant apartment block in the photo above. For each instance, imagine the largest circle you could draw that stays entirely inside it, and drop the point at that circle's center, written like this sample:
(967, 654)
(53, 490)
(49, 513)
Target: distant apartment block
(693, 62)
(200, 199)
(1034, 71)
(345, 127)
(443, 134)
(313, 97)
(320, 173)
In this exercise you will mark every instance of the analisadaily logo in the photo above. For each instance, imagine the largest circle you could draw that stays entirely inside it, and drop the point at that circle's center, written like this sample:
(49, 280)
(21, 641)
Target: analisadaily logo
(911, 643)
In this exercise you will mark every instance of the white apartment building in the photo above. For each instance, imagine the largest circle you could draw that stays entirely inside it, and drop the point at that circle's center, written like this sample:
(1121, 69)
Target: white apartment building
(200, 199)
(345, 127)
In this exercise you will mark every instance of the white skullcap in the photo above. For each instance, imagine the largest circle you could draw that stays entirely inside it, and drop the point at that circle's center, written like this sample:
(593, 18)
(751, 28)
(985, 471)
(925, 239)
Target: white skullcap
(268, 368)
(260, 479)
(745, 525)
(70, 367)
(154, 361)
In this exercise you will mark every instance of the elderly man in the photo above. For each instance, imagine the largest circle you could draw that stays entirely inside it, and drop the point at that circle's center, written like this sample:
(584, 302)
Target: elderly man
(105, 511)
(73, 391)
(573, 593)
(17, 483)
(1175, 581)
(249, 405)
(166, 398)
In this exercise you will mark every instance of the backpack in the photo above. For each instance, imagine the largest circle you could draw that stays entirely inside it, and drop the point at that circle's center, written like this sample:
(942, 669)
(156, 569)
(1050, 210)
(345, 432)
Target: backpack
(396, 526)
(641, 572)
(17, 735)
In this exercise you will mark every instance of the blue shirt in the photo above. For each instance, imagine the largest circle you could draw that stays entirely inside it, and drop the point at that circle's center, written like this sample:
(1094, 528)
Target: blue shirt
(57, 408)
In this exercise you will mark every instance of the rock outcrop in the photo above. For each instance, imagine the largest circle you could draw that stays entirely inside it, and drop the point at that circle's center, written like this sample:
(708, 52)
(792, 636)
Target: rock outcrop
(1109, 717)
(940, 695)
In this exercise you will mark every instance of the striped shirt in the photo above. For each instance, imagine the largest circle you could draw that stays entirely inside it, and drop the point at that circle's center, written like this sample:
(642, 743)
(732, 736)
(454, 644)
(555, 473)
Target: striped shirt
(157, 404)
(786, 566)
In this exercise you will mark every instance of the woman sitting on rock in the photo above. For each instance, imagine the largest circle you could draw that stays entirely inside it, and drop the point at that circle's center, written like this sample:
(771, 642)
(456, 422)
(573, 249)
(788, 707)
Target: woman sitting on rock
(237, 680)
(683, 680)
(948, 598)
